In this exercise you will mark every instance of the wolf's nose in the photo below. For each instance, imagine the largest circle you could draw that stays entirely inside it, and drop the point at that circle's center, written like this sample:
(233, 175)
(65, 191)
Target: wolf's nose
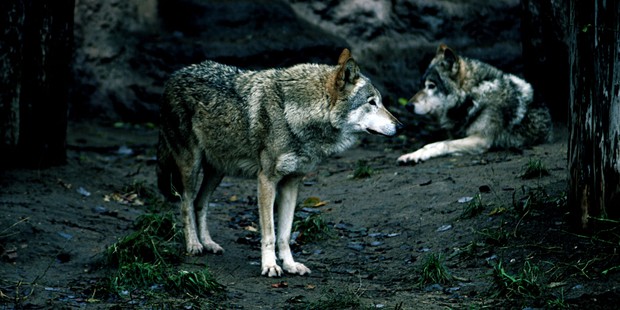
(399, 126)
(410, 107)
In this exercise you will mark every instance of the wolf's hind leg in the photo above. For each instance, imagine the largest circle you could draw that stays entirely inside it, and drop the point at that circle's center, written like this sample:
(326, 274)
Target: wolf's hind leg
(287, 199)
(189, 176)
(211, 179)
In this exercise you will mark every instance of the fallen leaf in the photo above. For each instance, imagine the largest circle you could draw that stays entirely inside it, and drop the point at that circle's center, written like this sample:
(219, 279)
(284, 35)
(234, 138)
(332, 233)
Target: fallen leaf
(497, 211)
(313, 202)
(63, 184)
(281, 284)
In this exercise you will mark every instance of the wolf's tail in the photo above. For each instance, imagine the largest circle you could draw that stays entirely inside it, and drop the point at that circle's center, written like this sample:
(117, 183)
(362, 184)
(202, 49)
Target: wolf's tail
(168, 176)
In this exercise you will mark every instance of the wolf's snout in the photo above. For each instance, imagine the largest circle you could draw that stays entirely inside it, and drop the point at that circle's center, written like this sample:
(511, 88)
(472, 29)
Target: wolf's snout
(410, 107)
(399, 126)
(389, 126)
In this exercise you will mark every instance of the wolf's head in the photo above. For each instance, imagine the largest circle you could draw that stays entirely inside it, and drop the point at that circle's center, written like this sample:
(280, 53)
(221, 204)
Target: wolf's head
(355, 103)
(442, 81)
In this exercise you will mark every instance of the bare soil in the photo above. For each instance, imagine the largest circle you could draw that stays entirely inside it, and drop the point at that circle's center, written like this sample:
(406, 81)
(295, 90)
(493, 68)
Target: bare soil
(56, 223)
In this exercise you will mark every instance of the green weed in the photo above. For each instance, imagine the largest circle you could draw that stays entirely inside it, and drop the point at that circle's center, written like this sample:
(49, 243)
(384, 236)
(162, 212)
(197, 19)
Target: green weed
(312, 228)
(558, 302)
(434, 271)
(534, 169)
(362, 170)
(527, 283)
(473, 208)
(495, 236)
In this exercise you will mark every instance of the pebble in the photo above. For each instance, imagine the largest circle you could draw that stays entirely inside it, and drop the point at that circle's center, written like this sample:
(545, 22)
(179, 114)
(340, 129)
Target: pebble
(82, 191)
(444, 228)
(355, 246)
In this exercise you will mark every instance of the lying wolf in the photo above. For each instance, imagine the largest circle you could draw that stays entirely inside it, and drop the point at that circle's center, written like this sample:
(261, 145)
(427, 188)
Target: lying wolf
(480, 106)
(275, 125)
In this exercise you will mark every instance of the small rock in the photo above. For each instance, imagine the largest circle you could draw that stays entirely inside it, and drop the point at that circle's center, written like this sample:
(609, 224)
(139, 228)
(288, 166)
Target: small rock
(124, 150)
(444, 228)
(82, 191)
(65, 235)
(465, 199)
(433, 287)
(484, 189)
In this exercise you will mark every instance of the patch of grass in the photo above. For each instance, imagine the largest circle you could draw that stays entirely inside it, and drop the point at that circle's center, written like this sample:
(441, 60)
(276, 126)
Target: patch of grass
(156, 240)
(147, 260)
(535, 199)
(495, 236)
(311, 228)
(434, 271)
(534, 169)
(527, 283)
(473, 208)
(362, 170)
(558, 302)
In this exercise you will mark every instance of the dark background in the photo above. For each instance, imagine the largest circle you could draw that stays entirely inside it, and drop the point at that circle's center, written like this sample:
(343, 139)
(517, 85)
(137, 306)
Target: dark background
(125, 50)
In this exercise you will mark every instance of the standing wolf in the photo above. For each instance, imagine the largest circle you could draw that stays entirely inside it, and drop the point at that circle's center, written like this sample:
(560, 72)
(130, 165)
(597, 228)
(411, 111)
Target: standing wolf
(276, 125)
(479, 105)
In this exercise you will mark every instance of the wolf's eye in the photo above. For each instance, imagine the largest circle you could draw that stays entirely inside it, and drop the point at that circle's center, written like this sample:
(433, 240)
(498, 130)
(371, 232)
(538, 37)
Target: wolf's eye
(372, 102)
(430, 85)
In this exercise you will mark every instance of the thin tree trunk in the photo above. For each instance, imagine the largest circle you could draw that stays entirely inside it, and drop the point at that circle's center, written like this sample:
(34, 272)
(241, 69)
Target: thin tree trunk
(594, 119)
(11, 48)
(37, 39)
(544, 29)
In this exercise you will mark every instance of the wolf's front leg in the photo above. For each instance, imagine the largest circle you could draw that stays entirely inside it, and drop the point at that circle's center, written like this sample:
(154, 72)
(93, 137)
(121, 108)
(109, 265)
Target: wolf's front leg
(287, 199)
(469, 145)
(266, 198)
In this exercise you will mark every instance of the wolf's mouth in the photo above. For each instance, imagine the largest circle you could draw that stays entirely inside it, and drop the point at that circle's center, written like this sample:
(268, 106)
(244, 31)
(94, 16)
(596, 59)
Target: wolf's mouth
(373, 132)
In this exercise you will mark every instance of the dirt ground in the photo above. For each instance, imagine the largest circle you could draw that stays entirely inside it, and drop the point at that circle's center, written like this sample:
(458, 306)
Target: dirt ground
(56, 223)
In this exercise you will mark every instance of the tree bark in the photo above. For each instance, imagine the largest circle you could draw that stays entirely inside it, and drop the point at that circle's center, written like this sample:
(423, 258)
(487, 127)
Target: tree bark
(36, 53)
(594, 122)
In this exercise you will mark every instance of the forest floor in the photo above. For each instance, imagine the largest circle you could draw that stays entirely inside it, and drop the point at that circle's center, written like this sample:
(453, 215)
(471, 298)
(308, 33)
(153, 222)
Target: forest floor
(501, 239)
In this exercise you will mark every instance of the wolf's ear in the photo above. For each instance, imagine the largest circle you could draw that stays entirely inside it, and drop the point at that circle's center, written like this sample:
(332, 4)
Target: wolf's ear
(348, 71)
(448, 58)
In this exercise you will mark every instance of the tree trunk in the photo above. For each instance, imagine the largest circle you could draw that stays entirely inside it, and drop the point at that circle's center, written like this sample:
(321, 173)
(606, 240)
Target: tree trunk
(36, 50)
(594, 122)
(544, 29)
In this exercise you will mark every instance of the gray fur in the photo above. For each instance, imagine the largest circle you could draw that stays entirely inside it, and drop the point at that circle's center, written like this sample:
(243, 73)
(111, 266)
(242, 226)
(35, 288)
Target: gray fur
(480, 107)
(275, 124)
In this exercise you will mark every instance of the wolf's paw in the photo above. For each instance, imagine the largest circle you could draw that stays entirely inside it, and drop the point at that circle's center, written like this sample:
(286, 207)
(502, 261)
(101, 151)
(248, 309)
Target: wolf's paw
(213, 247)
(272, 271)
(411, 158)
(297, 268)
(194, 248)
